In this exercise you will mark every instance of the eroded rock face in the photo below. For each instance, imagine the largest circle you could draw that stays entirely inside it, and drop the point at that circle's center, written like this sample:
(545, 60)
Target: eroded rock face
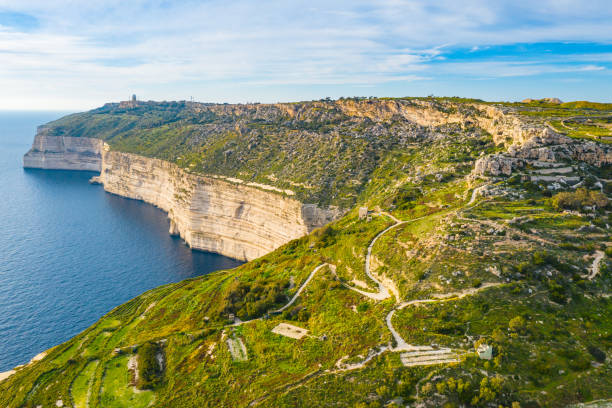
(497, 165)
(543, 146)
(212, 214)
(63, 153)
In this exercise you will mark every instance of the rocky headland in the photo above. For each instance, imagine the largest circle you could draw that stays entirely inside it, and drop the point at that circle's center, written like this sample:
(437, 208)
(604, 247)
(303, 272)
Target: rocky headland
(210, 213)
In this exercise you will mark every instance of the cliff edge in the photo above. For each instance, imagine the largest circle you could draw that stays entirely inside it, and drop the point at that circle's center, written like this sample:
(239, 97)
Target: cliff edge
(63, 152)
(210, 214)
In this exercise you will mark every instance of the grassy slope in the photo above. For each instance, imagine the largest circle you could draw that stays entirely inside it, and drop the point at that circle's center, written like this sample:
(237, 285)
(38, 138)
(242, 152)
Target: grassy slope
(543, 318)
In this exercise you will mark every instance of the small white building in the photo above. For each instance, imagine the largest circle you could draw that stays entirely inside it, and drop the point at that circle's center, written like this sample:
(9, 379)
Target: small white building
(363, 213)
(484, 351)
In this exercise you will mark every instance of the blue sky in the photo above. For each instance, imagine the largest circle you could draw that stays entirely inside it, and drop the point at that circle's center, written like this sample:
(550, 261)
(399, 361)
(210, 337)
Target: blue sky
(75, 55)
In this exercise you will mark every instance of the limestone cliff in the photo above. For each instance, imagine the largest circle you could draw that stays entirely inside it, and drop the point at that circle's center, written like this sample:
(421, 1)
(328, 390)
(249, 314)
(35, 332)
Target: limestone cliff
(63, 152)
(326, 151)
(505, 127)
(209, 213)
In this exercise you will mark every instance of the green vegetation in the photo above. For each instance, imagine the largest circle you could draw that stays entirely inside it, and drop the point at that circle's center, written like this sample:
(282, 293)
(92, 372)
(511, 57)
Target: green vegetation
(579, 199)
(587, 105)
(115, 390)
(150, 367)
(82, 383)
(511, 269)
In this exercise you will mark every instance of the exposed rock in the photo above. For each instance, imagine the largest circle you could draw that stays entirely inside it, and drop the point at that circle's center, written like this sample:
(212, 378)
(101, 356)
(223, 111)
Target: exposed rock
(519, 220)
(496, 165)
(485, 352)
(209, 213)
(545, 146)
(212, 214)
(63, 153)
(556, 101)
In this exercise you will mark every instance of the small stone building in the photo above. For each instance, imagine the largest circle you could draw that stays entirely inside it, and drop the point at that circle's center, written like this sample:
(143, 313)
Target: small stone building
(484, 351)
(363, 213)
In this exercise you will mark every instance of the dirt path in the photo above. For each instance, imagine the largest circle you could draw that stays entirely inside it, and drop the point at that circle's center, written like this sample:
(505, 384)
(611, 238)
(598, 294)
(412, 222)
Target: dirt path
(445, 297)
(371, 295)
(383, 291)
(402, 345)
(412, 354)
(475, 193)
(287, 387)
(301, 288)
(594, 269)
(342, 366)
(293, 299)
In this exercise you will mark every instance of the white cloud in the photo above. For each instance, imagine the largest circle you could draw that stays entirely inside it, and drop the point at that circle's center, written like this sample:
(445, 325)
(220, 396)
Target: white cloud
(84, 53)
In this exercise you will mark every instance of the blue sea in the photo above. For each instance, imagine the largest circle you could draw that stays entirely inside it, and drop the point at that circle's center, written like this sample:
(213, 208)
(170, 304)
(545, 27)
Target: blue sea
(70, 252)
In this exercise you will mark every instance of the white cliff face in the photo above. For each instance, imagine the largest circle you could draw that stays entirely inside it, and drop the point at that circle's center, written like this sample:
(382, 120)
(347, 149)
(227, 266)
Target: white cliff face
(64, 153)
(209, 213)
(247, 221)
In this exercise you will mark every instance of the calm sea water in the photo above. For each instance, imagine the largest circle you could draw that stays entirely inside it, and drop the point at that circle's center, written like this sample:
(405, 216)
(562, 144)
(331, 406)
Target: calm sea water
(69, 252)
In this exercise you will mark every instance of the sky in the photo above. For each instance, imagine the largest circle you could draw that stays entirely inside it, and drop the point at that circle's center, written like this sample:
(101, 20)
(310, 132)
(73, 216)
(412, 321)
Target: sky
(78, 54)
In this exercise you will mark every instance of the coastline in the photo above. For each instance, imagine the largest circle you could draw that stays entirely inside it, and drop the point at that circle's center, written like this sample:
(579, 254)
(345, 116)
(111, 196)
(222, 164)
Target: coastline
(227, 216)
(6, 374)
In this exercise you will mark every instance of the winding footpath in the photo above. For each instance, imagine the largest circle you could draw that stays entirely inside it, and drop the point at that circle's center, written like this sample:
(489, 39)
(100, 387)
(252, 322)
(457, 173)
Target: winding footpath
(301, 288)
(594, 269)
(412, 355)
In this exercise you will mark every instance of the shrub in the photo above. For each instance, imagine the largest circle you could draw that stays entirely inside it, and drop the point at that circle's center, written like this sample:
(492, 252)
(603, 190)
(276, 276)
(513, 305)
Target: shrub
(597, 353)
(577, 199)
(517, 324)
(363, 307)
(543, 258)
(406, 197)
(149, 370)
(253, 300)
(524, 268)
(580, 363)
(557, 291)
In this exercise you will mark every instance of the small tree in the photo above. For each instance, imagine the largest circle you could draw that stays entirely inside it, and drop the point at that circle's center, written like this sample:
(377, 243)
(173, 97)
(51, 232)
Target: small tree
(517, 324)
(578, 199)
(149, 369)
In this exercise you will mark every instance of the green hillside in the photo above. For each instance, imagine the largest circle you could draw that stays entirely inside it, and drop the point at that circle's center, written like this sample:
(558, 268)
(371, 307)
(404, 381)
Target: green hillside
(395, 303)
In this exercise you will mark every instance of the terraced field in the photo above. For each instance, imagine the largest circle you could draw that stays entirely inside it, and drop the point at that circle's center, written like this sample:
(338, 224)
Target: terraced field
(469, 241)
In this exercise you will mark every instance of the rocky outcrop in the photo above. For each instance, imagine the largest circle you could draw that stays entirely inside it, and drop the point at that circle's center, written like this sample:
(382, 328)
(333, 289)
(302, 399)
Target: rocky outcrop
(63, 153)
(210, 213)
(555, 101)
(506, 128)
(545, 147)
(496, 165)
